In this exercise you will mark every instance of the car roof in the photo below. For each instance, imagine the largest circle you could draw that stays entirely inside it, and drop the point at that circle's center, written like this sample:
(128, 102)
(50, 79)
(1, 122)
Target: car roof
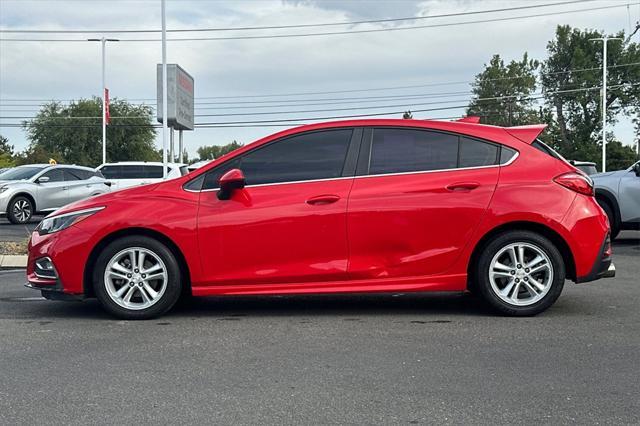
(141, 163)
(53, 166)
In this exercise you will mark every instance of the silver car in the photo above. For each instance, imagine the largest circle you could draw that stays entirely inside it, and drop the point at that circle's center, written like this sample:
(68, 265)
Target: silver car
(618, 193)
(40, 188)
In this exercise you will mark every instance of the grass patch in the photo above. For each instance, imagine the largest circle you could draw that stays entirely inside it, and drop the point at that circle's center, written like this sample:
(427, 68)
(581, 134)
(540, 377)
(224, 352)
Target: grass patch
(13, 247)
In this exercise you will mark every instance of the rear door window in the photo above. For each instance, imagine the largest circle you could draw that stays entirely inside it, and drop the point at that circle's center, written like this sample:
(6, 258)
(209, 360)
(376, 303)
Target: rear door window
(412, 150)
(132, 172)
(154, 172)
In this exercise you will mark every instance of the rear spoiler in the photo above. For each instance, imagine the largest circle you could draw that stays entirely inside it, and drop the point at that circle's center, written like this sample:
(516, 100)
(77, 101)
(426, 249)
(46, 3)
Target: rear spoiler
(526, 134)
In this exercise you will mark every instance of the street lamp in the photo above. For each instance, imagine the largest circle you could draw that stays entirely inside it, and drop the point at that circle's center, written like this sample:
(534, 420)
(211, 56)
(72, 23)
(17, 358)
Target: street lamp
(604, 97)
(104, 100)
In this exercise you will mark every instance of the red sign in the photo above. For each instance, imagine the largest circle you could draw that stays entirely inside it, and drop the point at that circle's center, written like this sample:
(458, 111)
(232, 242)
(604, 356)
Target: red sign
(107, 116)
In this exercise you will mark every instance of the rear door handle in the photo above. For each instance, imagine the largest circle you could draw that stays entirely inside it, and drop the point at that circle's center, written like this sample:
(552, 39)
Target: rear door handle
(462, 186)
(322, 199)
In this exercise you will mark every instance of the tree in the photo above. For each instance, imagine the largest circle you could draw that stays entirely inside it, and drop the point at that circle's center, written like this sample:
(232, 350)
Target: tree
(501, 93)
(6, 153)
(212, 152)
(571, 80)
(73, 133)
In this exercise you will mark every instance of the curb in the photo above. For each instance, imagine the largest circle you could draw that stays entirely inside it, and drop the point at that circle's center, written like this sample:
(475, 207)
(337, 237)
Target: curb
(12, 261)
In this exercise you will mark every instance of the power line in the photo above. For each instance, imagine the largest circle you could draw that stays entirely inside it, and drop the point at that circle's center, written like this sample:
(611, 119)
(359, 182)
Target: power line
(276, 36)
(279, 27)
(531, 97)
(355, 99)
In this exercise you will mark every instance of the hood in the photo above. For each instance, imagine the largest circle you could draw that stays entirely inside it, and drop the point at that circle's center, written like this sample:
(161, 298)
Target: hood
(106, 199)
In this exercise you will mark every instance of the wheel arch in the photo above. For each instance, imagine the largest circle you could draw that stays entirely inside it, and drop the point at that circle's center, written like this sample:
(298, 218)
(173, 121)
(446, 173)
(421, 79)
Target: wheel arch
(26, 195)
(607, 197)
(536, 227)
(87, 283)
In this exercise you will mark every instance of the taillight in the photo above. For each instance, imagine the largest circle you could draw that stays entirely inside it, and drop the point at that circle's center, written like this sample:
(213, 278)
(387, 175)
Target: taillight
(576, 182)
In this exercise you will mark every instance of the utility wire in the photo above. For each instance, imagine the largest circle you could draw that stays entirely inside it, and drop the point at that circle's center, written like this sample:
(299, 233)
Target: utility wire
(279, 27)
(276, 36)
(10, 101)
(528, 98)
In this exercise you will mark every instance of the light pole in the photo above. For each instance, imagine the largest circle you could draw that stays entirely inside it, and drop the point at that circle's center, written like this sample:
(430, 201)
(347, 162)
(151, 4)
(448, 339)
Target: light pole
(164, 89)
(604, 97)
(104, 98)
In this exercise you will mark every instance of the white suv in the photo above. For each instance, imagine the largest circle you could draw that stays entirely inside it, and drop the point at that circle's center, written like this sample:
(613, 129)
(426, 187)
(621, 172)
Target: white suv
(132, 173)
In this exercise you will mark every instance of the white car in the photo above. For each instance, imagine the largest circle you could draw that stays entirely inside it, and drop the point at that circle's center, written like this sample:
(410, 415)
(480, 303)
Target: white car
(126, 174)
(195, 166)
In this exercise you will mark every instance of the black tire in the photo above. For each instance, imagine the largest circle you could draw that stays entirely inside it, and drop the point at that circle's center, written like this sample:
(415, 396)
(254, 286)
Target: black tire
(18, 205)
(165, 301)
(613, 222)
(482, 281)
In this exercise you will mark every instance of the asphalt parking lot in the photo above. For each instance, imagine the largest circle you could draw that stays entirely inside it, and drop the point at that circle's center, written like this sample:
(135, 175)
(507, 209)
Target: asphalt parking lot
(349, 359)
(16, 233)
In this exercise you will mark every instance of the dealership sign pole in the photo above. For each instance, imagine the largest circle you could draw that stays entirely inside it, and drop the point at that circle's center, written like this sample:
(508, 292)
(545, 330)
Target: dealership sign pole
(104, 94)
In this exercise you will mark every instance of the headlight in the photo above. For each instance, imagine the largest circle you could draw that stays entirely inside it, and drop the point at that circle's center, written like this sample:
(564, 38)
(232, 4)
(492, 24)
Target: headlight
(57, 223)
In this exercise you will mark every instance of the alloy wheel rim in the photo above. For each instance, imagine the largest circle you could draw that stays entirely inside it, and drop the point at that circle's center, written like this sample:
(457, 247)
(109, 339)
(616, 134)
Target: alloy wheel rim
(136, 278)
(521, 274)
(22, 210)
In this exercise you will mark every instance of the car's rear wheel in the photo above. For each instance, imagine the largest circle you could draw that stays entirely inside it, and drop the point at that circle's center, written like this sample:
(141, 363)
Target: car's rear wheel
(20, 210)
(520, 273)
(137, 277)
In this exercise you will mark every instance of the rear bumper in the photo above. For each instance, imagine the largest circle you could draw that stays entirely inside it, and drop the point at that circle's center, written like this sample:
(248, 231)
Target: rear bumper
(603, 266)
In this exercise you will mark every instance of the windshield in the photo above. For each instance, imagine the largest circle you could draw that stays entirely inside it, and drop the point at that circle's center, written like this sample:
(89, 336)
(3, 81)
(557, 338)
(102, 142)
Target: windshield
(20, 173)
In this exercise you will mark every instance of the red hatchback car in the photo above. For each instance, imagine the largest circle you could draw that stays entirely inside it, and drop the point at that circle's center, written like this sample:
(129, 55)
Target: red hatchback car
(351, 206)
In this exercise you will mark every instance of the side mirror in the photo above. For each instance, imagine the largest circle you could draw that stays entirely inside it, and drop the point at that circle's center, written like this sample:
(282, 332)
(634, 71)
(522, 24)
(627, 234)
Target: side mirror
(43, 179)
(229, 182)
(636, 169)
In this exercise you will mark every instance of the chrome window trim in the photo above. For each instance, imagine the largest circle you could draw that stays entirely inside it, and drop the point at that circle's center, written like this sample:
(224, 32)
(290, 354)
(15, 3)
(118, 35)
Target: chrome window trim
(517, 154)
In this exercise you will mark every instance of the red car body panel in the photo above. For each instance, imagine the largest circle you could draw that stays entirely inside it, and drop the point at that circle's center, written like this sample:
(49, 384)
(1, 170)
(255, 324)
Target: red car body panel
(402, 232)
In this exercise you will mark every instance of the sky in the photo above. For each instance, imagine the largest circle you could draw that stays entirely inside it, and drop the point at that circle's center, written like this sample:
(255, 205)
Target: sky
(278, 75)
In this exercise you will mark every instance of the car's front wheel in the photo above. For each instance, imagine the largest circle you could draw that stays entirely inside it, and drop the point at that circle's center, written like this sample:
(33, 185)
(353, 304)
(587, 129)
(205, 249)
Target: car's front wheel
(520, 273)
(137, 277)
(20, 210)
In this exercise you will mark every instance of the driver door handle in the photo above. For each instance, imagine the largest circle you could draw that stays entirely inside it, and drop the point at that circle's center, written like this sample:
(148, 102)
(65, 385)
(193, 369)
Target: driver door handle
(322, 199)
(462, 186)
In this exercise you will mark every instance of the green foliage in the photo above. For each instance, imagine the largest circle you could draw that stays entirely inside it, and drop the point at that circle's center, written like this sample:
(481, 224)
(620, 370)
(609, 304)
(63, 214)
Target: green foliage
(513, 84)
(6, 153)
(212, 152)
(73, 133)
(572, 100)
(578, 113)
(619, 156)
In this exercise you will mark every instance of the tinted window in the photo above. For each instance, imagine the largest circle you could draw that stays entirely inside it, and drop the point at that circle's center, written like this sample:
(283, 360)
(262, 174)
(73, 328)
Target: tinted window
(111, 172)
(70, 175)
(409, 150)
(154, 171)
(318, 155)
(589, 169)
(54, 175)
(506, 154)
(474, 153)
(20, 173)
